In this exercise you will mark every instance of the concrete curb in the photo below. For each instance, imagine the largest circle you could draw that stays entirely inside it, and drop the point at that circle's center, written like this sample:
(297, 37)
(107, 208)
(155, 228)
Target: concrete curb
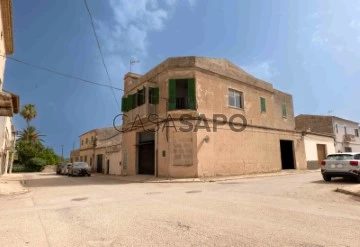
(348, 192)
(23, 190)
(216, 179)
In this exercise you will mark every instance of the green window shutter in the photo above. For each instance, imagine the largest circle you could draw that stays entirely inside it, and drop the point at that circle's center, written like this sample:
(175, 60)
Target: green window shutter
(156, 95)
(124, 104)
(130, 101)
(191, 94)
(284, 113)
(172, 94)
(263, 104)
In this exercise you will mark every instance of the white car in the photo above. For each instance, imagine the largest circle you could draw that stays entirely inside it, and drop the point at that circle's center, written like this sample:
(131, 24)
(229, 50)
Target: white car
(341, 165)
(65, 168)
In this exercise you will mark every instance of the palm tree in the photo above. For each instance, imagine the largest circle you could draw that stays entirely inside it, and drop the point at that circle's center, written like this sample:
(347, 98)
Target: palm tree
(28, 112)
(30, 134)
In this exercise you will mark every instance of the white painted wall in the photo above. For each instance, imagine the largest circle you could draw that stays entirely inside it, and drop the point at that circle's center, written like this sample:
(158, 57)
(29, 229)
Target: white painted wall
(339, 131)
(115, 163)
(310, 142)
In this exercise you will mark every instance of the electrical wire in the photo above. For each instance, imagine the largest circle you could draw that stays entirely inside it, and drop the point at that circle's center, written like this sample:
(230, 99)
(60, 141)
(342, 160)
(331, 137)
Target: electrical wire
(101, 53)
(60, 73)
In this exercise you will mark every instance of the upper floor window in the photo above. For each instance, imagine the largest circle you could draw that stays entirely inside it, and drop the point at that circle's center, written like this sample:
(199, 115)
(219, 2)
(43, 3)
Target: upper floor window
(132, 101)
(284, 110)
(92, 139)
(263, 104)
(337, 129)
(345, 130)
(235, 98)
(153, 95)
(182, 94)
(87, 140)
(356, 132)
(82, 142)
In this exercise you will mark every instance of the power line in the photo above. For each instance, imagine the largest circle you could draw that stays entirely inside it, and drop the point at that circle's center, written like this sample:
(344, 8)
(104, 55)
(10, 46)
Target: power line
(60, 73)
(101, 53)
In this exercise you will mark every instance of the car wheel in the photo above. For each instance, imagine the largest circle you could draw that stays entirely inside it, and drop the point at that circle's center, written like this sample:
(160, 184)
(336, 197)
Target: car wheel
(89, 175)
(327, 178)
(358, 179)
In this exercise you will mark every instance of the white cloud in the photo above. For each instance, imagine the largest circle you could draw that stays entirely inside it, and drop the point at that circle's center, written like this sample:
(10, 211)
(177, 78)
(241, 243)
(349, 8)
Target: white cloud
(126, 34)
(318, 39)
(263, 70)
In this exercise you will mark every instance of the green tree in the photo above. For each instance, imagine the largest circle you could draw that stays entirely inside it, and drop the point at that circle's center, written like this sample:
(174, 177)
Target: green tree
(27, 150)
(28, 112)
(30, 134)
(49, 155)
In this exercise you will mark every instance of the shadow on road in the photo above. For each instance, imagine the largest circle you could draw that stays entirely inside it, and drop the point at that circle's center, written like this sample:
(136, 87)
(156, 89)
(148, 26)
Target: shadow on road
(50, 180)
(337, 181)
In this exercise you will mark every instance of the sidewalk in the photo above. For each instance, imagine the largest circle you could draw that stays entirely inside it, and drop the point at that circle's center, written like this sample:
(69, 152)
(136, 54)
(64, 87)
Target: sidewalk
(351, 190)
(152, 179)
(12, 184)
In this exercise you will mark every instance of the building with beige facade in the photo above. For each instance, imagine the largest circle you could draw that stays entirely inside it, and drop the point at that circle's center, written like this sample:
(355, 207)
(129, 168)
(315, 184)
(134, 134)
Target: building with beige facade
(9, 102)
(196, 116)
(345, 132)
(101, 149)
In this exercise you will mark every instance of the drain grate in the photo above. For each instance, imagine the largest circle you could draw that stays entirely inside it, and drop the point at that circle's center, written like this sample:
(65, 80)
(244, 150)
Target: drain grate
(193, 191)
(153, 193)
(80, 199)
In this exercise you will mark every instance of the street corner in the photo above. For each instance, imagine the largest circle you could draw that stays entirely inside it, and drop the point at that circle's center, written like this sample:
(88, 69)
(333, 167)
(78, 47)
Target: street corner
(350, 190)
(11, 185)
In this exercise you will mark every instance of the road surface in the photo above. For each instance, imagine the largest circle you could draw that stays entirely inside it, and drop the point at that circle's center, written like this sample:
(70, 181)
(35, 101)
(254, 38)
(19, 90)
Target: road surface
(293, 210)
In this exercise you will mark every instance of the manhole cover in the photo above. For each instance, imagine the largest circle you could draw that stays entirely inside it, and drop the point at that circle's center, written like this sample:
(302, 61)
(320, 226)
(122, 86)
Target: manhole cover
(153, 193)
(79, 199)
(193, 191)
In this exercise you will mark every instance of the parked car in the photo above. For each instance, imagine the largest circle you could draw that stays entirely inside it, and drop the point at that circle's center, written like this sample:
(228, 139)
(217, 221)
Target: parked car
(80, 169)
(65, 168)
(58, 168)
(341, 165)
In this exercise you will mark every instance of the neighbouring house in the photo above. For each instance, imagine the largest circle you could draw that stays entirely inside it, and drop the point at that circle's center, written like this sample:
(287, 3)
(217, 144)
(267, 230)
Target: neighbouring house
(196, 116)
(101, 149)
(317, 147)
(9, 102)
(346, 132)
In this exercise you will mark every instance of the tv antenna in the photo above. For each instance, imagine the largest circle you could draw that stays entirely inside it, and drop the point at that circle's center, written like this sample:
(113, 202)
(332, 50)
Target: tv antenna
(132, 61)
(329, 112)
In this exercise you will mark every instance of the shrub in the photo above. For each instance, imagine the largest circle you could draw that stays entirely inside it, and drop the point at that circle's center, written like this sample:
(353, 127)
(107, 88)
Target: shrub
(21, 168)
(36, 164)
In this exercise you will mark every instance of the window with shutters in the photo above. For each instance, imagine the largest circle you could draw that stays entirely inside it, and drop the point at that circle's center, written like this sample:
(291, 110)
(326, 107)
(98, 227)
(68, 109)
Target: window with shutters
(182, 94)
(153, 95)
(284, 111)
(140, 97)
(263, 104)
(235, 98)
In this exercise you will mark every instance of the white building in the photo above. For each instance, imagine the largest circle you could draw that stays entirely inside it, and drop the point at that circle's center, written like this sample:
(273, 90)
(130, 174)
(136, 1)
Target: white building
(9, 102)
(345, 132)
(317, 147)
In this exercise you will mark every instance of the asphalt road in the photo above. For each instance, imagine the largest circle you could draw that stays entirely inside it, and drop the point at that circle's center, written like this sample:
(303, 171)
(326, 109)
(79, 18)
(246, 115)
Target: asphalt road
(293, 210)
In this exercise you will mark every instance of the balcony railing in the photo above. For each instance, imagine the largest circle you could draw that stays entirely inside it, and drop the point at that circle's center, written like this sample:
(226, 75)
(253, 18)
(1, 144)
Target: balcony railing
(349, 138)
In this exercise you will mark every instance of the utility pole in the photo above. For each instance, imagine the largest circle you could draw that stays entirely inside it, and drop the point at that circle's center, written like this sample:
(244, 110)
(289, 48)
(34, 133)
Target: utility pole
(62, 152)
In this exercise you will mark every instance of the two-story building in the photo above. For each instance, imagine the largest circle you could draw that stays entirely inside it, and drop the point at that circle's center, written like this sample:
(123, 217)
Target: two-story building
(9, 102)
(101, 149)
(345, 132)
(196, 116)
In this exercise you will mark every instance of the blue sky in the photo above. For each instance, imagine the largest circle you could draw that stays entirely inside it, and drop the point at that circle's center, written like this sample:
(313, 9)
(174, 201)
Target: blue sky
(306, 48)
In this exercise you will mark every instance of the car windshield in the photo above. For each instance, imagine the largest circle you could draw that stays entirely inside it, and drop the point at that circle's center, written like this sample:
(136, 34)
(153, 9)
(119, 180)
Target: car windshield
(340, 157)
(82, 165)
